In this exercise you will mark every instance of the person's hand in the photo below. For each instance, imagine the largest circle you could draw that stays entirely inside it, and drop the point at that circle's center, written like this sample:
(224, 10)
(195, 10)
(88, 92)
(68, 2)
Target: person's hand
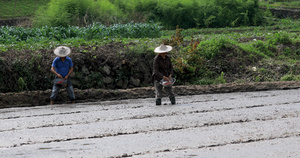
(170, 76)
(66, 78)
(166, 78)
(59, 76)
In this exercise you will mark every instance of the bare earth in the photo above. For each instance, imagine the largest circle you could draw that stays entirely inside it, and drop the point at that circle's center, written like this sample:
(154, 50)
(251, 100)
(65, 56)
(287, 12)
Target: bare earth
(262, 124)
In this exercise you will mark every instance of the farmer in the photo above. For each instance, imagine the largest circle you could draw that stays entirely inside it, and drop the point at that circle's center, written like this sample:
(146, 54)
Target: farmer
(162, 69)
(62, 67)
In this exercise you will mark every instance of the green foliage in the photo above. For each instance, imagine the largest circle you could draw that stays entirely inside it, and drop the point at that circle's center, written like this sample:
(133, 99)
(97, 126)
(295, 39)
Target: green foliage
(176, 39)
(290, 78)
(20, 8)
(14, 35)
(76, 13)
(21, 84)
(199, 55)
(191, 13)
(204, 81)
(211, 47)
(280, 3)
(263, 48)
(185, 13)
(220, 79)
(281, 38)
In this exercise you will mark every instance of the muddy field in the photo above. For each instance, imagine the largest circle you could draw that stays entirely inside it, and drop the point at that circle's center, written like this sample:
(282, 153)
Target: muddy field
(233, 125)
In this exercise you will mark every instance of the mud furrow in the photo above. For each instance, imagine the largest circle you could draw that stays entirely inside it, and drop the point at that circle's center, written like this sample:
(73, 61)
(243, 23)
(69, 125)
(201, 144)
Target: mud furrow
(182, 127)
(288, 135)
(115, 105)
(204, 137)
(137, 128)
(139, 106)
(178, 113)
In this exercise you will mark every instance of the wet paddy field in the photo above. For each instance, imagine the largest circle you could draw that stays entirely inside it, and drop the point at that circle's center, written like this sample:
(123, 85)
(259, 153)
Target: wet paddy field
(232, 125)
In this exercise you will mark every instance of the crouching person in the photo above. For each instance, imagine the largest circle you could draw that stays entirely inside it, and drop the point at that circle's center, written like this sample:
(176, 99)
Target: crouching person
(163, 71)
(62, 67)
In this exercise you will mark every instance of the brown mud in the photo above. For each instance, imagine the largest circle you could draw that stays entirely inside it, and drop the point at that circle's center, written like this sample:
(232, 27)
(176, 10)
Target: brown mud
(38, 98)
(230, 125)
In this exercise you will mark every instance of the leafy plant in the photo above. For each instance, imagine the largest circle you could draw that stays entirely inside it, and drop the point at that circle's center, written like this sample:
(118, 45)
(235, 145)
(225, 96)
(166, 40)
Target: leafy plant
(220, 79)
(290, 78)
(14, 35)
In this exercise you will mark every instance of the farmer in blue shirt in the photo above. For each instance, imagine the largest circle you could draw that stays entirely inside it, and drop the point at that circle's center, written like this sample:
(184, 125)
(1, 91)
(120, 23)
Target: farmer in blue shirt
(62, 67)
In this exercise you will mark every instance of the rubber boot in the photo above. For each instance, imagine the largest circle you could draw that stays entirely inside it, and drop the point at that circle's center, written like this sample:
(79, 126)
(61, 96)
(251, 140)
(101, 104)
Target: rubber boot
(173, 101)
(158, 101)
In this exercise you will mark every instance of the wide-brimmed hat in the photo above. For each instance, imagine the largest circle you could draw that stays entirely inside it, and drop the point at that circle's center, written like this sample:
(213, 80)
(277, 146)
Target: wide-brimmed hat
(62, 51)
(163, 49)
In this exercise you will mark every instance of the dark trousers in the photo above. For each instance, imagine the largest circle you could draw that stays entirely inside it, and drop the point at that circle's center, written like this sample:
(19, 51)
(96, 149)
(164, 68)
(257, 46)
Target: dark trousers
(69, 88)
(158, 90)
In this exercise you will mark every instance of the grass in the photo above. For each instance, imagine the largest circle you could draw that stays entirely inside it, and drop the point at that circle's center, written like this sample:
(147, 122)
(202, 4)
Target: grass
(287, 4)
(20, 8)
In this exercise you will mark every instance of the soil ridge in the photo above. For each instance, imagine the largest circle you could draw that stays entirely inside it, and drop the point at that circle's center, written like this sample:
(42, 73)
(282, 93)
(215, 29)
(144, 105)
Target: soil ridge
(41, 98)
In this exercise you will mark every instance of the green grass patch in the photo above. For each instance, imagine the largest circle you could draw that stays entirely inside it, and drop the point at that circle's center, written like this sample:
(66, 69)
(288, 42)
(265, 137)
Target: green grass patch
(20, 8)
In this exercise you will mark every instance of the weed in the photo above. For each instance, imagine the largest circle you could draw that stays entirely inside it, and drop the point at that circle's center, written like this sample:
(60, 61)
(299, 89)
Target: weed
(220, 79)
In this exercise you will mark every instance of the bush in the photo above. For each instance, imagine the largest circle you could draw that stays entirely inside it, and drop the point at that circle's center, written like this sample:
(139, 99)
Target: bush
(281, 38)
(191, 13)
(211, 47)
(77, 13)
(290, 78)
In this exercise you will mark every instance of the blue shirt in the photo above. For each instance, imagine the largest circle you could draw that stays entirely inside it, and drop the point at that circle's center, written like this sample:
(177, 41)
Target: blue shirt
(61, 67)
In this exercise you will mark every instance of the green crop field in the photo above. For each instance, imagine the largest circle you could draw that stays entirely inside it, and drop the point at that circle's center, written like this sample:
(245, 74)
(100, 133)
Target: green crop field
(202, 55)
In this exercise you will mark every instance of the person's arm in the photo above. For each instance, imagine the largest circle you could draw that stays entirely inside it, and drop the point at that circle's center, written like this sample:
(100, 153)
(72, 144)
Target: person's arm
(70, 71)
(57, 74)
(171, 69)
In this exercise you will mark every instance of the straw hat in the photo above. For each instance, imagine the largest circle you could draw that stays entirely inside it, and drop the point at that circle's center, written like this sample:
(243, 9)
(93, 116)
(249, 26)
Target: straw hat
(163, 49)
(62, 51)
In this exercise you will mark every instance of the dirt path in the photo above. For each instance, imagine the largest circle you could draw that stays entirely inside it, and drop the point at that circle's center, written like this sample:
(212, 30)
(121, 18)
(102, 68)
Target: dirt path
(244, 124)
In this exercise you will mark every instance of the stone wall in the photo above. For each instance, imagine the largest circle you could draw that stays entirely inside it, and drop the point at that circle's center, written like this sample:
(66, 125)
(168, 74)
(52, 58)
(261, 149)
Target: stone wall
(13, 21)
(286, 13)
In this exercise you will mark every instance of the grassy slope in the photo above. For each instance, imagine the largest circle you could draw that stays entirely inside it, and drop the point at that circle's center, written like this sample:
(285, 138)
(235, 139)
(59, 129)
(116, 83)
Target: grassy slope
(20, 8)
(270, 4)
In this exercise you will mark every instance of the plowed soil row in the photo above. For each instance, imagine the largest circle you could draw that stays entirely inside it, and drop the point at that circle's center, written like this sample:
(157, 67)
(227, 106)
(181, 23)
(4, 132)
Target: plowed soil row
(208, 125)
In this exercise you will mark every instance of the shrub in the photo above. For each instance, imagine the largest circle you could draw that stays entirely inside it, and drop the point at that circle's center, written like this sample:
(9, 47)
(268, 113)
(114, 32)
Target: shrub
(191, 13)
(211, 47)
(281, 38)
(263, 48)
(76, 12)
(290, 78)
(220, 79)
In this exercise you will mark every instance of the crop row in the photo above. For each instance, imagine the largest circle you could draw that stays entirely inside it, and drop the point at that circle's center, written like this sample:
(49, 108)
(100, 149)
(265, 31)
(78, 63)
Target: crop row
(13, 35)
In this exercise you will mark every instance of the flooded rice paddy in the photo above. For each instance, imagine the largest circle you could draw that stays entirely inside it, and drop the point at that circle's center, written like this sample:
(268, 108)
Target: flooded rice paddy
(231, 125)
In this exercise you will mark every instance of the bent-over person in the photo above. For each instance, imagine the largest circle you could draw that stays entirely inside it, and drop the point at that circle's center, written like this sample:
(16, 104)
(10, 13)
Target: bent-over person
(162, 69)
(62, 67)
